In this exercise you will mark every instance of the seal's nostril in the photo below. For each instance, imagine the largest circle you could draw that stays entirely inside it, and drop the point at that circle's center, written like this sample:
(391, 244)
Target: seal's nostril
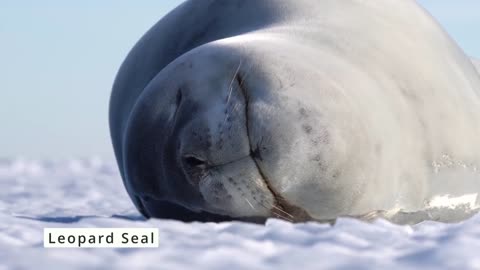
(193, 161)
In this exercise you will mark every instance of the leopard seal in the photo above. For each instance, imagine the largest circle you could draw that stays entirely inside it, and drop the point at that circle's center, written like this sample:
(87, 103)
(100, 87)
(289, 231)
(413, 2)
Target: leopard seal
(300, 110)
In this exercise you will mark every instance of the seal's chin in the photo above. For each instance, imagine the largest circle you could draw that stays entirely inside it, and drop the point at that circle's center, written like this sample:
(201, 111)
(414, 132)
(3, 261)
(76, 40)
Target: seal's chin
(152, 208)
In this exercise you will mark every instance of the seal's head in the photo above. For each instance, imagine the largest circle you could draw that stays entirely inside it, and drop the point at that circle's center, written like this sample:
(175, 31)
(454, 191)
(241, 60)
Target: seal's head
(214, 138)
(187, 144)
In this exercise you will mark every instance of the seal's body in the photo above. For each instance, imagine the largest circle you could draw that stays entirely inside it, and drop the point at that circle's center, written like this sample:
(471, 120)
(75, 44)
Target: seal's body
(476, 63)
(294, 109)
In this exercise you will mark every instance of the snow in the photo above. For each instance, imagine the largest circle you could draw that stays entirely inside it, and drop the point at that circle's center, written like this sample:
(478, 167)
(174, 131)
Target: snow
(89, 193)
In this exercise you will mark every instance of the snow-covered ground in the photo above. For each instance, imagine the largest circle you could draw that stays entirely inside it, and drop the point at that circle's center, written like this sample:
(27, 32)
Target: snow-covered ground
(89, 193)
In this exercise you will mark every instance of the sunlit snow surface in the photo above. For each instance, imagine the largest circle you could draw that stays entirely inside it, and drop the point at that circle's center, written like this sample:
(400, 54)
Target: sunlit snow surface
(89, 193)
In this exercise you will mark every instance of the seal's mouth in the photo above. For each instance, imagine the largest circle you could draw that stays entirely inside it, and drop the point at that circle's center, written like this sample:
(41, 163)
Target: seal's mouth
(281, 208)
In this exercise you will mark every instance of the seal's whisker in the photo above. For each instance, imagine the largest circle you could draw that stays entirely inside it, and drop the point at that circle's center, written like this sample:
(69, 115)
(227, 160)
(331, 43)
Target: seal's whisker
(276, 214)
(231, 82)
(230, 92)
(283, 211)
(251, 205)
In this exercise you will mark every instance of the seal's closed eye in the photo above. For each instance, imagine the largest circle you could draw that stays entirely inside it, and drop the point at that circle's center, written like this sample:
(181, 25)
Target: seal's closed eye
(192, 161)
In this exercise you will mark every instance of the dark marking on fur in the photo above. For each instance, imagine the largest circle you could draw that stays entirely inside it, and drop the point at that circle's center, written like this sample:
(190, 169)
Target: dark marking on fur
(307, 128)
(303, 112)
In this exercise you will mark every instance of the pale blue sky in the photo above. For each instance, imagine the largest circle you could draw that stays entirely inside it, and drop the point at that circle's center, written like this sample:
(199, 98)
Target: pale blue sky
(58, 60)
